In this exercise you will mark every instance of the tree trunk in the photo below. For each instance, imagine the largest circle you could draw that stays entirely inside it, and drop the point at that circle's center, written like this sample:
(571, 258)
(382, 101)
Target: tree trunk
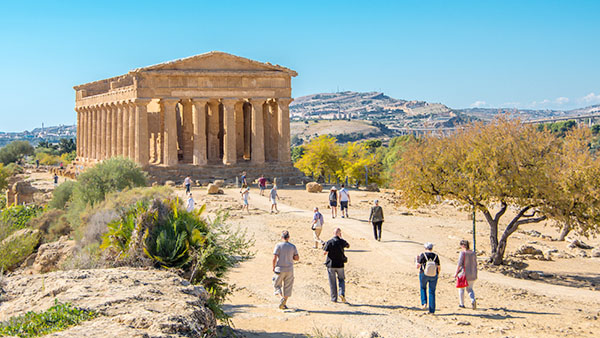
(498, 257)
(565, 231)
(493, 223)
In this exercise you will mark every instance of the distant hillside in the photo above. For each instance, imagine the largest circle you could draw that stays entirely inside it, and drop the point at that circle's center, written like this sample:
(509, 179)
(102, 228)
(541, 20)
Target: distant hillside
(376, 106)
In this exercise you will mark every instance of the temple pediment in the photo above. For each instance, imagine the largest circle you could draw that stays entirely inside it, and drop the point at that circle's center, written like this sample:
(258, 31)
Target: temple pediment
(216, 61)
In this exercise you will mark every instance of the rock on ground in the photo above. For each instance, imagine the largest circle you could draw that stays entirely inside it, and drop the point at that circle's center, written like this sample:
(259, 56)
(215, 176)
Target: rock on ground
(314, 187)
(51, 255)
(219, 183)
(131, 302)
(212, 189)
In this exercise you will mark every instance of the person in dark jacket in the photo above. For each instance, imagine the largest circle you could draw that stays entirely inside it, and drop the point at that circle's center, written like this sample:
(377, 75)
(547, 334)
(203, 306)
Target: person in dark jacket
(334, 250)
(376, 218)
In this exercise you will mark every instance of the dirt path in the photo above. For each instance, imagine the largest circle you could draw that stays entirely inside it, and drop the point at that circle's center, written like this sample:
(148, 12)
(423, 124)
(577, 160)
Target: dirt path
(382, 285)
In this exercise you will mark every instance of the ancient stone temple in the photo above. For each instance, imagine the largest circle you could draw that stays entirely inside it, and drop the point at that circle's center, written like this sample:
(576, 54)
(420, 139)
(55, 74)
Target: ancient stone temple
(191, 116)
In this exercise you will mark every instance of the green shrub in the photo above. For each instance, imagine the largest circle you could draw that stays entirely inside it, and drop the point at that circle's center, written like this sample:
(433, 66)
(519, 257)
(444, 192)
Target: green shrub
(17, 217)
(56, 318)
(201, 249)
(15, 151)
(13, 252)
(115, 174)
(52, 224)
(62, 194)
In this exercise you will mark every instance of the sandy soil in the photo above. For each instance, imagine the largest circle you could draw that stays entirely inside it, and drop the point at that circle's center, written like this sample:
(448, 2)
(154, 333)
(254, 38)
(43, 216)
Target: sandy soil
(382, 282)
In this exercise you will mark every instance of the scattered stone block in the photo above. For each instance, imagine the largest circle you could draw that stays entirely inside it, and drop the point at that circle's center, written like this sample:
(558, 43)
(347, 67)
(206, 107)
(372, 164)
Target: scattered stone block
(212, 189)
(169, 183)
(219, 183)
(314, 187)
(373, 187)
(529, 250)
(575, 243)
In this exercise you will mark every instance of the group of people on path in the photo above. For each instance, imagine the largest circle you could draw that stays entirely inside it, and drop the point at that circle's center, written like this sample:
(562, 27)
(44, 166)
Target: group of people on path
(284, 255)
(262, 185)
(429, 267)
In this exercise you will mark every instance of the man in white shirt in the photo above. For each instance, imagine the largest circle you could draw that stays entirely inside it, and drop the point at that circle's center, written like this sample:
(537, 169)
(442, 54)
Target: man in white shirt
(344, 200)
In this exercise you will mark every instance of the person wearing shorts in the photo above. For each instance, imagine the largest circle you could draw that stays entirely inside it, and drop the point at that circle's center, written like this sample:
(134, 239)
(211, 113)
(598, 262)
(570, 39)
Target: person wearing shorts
(262, 184)
(333, 198)
(245, 192)
(344, 197)
(317, 227)
(273, 196)
(284, 255)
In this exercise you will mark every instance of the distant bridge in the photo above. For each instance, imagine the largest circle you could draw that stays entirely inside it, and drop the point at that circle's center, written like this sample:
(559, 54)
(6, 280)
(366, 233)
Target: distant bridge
(590, 119)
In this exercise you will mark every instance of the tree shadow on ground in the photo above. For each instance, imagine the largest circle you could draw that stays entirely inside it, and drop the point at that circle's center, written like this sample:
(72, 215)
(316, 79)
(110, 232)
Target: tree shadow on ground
(234, 309)
(496, 316)
(227, 332)
(388, 307)
(401, 241)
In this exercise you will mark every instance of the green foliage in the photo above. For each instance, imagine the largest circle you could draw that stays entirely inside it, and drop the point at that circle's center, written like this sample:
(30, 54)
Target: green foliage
(174, 238)
(17, 217)
(56, 318)
(15, 151)
(114, 174)
(66, 146)
(14, 251)
(62, 194)
(392, 155)
(4, 175)
(559, 129)
(596, 129)
(371, 145)
(297, 153)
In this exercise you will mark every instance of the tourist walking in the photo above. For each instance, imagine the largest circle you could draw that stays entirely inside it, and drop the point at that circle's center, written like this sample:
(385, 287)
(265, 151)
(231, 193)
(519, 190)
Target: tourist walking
(467, 265)
(245, 192)
(429, 267)
(55, 178)
(273, 197)
(333, 201)
(262, 184)
(243, 179)
(376, 218)
(317, 227)
(190, 203)
(344, 198)
(284, 255)
(334, 250)
(188, 183)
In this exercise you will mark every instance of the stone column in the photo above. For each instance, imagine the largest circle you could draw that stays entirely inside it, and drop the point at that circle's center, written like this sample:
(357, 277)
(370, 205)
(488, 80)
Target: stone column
(86, 144)
(142, 142)
(119, 131)
(102, 126)
(93, 132)
(125, 127)
(212, 144)
(283, 111)
(258, 137)
(113, 132)
(131, 130)
(170, 132)
(88, 133)
(108, 139)
(78, 134)
(199, 121)
(229, 143)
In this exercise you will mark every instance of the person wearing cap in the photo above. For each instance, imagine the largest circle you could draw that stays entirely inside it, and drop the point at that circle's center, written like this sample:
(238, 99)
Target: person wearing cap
(284, 255)
(376, 218)
(333, 201)
(424, 262)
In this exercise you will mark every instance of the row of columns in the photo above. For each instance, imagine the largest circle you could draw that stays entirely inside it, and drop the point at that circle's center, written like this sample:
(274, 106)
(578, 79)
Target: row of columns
(113, 129)
(121, 129)
(202, 143)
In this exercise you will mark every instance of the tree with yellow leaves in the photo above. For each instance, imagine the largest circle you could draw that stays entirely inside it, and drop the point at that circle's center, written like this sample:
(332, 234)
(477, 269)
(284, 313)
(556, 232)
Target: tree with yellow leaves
(489, 167)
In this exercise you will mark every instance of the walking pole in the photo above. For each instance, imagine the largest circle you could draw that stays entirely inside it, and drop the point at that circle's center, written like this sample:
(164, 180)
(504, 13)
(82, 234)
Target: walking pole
(474, 236)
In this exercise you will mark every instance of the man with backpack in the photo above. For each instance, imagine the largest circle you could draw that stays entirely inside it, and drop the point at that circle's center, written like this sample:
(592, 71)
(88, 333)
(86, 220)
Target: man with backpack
(429, 267)
(317, 227)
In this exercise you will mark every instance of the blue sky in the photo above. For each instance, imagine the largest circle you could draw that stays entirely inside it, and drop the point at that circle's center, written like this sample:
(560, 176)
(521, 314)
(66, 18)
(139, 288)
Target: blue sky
(528, 54)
